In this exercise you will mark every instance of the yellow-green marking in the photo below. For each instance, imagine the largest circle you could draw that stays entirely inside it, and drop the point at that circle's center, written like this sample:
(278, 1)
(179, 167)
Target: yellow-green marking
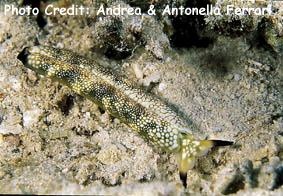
(146, 114)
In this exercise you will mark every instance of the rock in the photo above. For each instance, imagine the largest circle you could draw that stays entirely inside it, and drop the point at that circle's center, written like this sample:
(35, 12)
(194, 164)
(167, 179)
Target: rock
(31, 117)
(237, 77)
(229, 180)
(271, 29)
(109, 155)
(118, 36)
(137, 70)
(249, 174)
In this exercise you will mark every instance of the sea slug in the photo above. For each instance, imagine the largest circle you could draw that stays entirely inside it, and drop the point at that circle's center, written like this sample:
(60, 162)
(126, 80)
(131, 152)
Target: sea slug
(149, 116)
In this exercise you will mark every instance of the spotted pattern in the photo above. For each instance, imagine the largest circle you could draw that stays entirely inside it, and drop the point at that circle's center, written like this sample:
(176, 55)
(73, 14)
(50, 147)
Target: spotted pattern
(157, 123)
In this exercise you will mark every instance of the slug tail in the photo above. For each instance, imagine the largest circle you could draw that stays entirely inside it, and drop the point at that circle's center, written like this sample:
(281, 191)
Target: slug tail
(222, 143)
(185, 164)
(190, 150)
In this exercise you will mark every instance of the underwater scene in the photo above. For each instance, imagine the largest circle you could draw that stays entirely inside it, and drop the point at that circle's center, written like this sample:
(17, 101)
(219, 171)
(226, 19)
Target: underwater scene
(129, 97)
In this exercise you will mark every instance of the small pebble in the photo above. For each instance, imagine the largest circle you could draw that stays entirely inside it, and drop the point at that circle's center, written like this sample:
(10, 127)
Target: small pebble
(237, 77)
(31, 117)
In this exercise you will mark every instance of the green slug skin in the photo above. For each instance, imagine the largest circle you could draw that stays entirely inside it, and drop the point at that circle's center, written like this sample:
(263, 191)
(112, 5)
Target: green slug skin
(157, 123)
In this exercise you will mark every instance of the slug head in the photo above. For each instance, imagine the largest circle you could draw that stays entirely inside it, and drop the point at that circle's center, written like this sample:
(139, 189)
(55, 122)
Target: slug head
(32, 59)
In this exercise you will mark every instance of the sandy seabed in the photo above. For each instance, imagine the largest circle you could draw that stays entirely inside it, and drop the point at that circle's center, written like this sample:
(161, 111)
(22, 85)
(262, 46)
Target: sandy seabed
(53, 141)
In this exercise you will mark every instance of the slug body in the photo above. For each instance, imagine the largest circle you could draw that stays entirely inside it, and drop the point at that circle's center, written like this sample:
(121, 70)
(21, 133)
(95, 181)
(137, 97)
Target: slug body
(144, 113)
